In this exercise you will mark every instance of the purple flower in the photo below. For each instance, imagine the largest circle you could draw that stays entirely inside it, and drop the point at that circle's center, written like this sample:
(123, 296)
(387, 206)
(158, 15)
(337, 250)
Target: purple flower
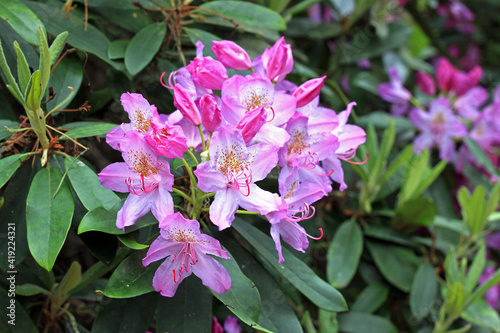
(394, 92)
(438, 127)
(231, 172)
(145, 176)
(493, 294)
(231, 325)
(457, 15)
(187, 251)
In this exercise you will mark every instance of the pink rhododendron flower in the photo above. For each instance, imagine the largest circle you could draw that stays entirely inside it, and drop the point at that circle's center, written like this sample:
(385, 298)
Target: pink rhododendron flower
(438, 127)
(145, 176)
(394, 92)
(426, 83)
(211, 115)
(231, 55)
(231, 325)
(186, 105)
(493, 294)
(275, 63)
(457, 15)
(307, 91)
(186, 251)
(207, 72)
(167, 140)
(451, 80)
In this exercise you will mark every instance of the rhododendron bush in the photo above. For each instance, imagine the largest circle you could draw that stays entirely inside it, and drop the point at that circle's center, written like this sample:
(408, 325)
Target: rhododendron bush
(249, 166)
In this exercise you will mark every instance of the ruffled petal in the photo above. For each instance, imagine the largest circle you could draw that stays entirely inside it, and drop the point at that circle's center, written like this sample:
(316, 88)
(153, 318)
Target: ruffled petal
(258, 200)
(134, 207)
(163, 280)
(114, 175)
(161, 249)
(223, 208)
(211, 273)
(209, 178)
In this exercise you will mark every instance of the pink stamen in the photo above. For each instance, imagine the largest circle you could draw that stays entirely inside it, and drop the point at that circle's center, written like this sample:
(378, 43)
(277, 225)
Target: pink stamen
(240, 180)
(300, 215)
(187, 251)
(311, 160)
(170, 80)
(140, 188)
(274, 115)
(347, 156)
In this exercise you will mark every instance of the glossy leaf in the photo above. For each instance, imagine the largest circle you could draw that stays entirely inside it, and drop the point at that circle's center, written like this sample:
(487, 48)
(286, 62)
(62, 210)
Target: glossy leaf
(397, 264)
(4, 134)
(8, 166)
(419, 211)
(34, 91)
(481, 314)
(22, 19)
(93, 129)
(125, 315)
(294, 270)
(116, 49)
(17, 320)
(189, 311)
(143, 47)
(87, 186)
(66, 79)
(205, 37)
(129, 241)
(358, 322)
(424, 291)
(131, 278)
(100, 219)
(48, 216)
(344, 253)
(371, 298)
(246, 14)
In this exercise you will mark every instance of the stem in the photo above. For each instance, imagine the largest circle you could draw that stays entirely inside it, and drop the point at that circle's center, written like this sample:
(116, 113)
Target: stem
(192, 156)
(246, 212)
(182, 194)
(202, 138)
(191, 177)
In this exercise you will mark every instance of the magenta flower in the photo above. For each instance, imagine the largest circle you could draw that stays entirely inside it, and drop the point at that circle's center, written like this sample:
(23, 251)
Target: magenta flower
(186, 105)
(211, 115)
(207, 72)
(438, 127)
(167, 140)
(468, 104)
(275, 63)
(457, 15)
(231, 172)
(231, 55)
(394, 92)
(145, 176)
(187, 251)
(426, 83)
(231, 325)
(216, 326)
(307, 91)
(493, 294)
(451, 80)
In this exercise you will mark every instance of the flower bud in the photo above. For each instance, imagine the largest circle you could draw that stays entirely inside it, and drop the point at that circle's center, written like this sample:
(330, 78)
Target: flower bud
(307, 91)
(444, 75)
(278, 60)
(231, 55)
(426, 83)
(251, 123)
(207, 72)
(211, 115)
(186, 105)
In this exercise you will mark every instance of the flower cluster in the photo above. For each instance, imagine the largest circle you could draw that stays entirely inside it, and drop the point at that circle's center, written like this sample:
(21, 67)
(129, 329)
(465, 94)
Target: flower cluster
(456, 110)
(243, 126)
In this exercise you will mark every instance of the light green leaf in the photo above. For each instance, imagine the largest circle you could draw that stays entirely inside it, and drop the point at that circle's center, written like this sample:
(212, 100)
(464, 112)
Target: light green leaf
(480, 156)
(130, 241)
(57, 46)
(476, 269)
(23, 69)
(419, 211)
(22, 19)
(48, 218)
(481, 314)
(29, 289)
(34, 91)
(343, 254)
(143, 47)
(71, 279)
(44, 67)
(12, 84)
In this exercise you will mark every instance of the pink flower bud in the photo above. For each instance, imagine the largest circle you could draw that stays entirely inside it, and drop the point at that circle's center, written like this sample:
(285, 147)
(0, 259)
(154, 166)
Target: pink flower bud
(278, 60)
(211, 115)
(444, 75)
(426, 83)
(307, 91)
(231, 55)
(464, 82)
(186, 105)
(251, 123)
(207, 72)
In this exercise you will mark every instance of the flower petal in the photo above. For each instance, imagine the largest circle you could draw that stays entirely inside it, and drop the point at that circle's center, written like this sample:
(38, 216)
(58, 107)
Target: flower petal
(223, 208)
(211, 273)
(114, 175)
(134, 207)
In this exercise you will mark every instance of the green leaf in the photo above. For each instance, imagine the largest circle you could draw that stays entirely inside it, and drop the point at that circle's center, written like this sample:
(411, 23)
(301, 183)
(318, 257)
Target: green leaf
(93, 129)
(57, 46)
(8, 166)
(481, 157)
(397, 264)
(44, 67)
(493, 201)
(371, 298)
(48, 217)
(131, 278)
(4, 134)
(68, 73)
(125, 315)
(23, 69)
(4, 66)
(482, 289)
(242, 298)
(357, 322)
(87, 186)
(143, 47)
(293, 270)
(116, 49)
(481, 314)
(29, 289)
(22, 19)
(205, 37)
(344, 253)
(419, 212)
(130, 241)
(246, 14)
(369, 82)
(34, 91)
(71, 279)
(476, 269)
(16, 320)
(100, 219)
(424, 291)
(56, 21)
(189, 311)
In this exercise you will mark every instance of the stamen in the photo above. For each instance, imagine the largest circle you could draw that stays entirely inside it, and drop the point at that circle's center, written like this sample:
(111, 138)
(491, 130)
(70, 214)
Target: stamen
(274, 115)
(170, 80)
(240, 180)
(300, 215)
(347, 156)
(311, 160)
(140, 188)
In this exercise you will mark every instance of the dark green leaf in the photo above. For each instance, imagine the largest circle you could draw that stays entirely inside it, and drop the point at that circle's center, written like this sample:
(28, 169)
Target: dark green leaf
(100, 219)
(419, 211)
(14, 320)
(357, 322)
(8, 166)
(99, 129)
(295, 271)
(130, 241)
(87, 186)
(481, 157)
(22, 19)
(424, 291)
(371, 298)
(205, 37)
(481, 314)
(131, 278)
(397, 264)
(189, 311)
(246, 14)
(344, 253)
(125, 315)
(4, 134)
(143, 47)
(48, 218)
(68, 74)
(116, 49)
(29, 289)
